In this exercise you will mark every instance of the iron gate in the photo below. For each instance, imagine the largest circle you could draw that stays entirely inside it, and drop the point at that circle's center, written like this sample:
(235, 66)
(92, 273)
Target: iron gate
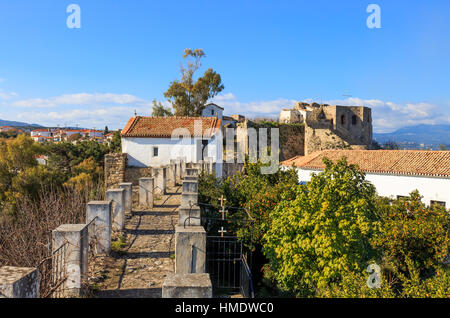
(226, 254)
(227, 266)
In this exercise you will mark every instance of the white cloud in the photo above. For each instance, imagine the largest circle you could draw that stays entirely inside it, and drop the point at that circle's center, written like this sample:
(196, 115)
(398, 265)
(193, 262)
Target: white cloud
(81, 99)
(270, 108)
(114, 110)
(7, 95)
(113, 116)
(387, 116)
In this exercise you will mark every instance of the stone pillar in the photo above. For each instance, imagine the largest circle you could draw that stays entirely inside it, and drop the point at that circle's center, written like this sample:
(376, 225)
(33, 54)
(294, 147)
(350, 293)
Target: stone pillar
(190, 186)
(191, 174)
(179, 172)
(187, 286)
(183, 167)
(146, 186)
(19, 282)
(160, 175)
(189, 216)
(189, 195)
(117, 196)
(190, 250)
(128, 187)
(100, 229)
(189, 199)
(173, 172)
(72, 259)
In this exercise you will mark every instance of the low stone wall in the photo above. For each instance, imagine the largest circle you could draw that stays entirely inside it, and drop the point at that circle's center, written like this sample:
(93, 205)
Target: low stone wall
(115, 166)
(133, 174)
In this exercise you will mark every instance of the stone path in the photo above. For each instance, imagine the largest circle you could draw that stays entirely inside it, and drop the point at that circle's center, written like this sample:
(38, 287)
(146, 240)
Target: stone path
(139, 267)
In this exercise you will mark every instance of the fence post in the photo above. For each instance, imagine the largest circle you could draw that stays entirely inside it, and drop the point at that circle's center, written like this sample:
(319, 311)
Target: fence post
(128, 187)
(187, 286)
(190, 249)
(74, 262)
(160, 175)
(189, 194)
(101, 212)
(191, 174)
(146, 186)
(183, 167)
(19, 282)
(173, 172)
(118, 211)
(189, 216)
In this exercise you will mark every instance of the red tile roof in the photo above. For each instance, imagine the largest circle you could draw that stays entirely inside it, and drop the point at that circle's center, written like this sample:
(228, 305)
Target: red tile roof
(162, 127)
(403, 162)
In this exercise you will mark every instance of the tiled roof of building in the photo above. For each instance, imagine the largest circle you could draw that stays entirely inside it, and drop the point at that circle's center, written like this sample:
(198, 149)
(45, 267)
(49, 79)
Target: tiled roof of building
(162, 127)
(403, 162)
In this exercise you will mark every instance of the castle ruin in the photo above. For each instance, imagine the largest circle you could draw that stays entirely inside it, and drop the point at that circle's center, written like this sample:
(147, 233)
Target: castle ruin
(331, 127)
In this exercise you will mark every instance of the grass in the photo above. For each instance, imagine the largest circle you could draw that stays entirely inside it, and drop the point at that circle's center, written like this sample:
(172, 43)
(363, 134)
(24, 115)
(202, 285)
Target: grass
(118, 245)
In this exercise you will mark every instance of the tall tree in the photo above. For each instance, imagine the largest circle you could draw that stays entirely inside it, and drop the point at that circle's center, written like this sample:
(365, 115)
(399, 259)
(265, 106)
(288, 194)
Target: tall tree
(189, 97)
(159, 110)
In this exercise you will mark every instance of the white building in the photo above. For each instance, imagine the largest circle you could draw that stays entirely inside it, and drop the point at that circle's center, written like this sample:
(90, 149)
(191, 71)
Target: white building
(154, 141)
(41, 132)
(394, 173)
(213, 110)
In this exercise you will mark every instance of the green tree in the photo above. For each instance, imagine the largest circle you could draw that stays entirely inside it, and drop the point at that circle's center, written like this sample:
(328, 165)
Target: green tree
(442, 147)
(106, 131)
(324, 231)
(116, 143)
(391, 145)
(159, 110)
(189, 97)
(413, 232)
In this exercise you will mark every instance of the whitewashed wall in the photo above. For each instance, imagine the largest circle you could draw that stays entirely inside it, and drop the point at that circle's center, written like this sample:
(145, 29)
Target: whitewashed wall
(218, 112)
(140, 151)
(436, 189)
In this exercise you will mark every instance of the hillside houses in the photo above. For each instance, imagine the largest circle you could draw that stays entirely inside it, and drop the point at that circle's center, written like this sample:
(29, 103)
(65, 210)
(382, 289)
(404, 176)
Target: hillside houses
(62, 134)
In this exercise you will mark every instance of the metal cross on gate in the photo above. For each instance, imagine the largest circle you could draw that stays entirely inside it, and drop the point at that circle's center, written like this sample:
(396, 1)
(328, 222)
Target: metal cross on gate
(221, 231)
(222, 207)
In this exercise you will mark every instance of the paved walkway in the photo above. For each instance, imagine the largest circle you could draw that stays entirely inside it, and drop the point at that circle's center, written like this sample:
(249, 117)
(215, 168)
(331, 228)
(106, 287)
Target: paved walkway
(138, 268)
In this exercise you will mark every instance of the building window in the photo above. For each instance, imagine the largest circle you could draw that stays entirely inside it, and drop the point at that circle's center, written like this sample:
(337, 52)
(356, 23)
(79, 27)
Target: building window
(155, 151)
(354, 120)
(440, 203)
(212, 111)
(342, 119)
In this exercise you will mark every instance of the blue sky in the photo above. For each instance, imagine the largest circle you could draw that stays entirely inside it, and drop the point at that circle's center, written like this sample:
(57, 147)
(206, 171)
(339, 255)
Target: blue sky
(269, 53)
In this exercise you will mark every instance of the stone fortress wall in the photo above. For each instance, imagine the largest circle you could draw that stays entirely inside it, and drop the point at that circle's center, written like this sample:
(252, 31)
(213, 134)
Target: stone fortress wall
(331, 127)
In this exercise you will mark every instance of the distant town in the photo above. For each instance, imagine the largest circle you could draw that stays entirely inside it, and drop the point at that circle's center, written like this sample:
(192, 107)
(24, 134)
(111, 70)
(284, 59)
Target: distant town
(50, 134)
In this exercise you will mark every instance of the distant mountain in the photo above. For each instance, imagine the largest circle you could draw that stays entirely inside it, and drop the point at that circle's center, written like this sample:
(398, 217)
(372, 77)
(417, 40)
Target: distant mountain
(17, 123)
(420, 136)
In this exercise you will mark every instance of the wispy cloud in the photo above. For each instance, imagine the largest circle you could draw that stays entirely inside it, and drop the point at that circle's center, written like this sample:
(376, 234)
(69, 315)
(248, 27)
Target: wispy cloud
(114, 110)
(81, 99)
(269, 108)
(387, 116)
(112, 116)
(7, 95)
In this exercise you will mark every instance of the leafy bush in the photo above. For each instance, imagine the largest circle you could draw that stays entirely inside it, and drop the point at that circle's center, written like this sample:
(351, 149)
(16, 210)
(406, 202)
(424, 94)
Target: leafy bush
(323, 231)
